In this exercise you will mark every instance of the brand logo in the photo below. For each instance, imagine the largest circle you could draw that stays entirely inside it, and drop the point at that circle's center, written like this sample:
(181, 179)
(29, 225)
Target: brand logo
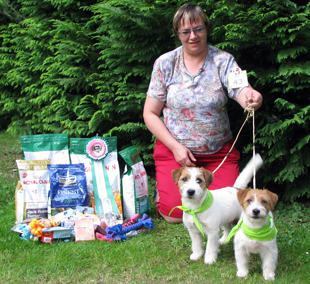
(67, 179)
(28, 182)
(140, 175)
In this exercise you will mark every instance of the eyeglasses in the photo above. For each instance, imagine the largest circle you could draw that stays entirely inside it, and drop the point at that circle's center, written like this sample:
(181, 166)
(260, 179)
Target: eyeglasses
(197, 31)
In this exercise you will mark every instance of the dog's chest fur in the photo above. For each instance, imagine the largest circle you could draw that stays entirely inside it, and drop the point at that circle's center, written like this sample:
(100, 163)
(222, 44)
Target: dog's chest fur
(192, 183)
(225, 208)
(251, 246)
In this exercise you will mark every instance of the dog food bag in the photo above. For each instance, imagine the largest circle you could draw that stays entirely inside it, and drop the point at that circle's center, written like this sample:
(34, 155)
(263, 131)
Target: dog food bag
(134, 184)
(31, 194)
(68, 187)
(106, 178)
(52, 147)
(77, 155)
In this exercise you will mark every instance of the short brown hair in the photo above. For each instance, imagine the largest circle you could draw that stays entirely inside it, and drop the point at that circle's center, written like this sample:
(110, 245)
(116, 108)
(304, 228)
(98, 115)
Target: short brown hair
(191, 12)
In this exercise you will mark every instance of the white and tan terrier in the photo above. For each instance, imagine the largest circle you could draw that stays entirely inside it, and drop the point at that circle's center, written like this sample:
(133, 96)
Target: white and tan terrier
(204, 211)
(255, 233)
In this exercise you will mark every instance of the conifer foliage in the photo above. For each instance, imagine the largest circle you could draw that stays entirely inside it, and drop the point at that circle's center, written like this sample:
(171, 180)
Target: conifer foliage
(83, 67)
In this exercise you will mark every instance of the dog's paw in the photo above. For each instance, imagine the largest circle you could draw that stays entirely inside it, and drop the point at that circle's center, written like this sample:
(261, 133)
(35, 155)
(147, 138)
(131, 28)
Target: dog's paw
(196, 256)
(210, 259)
(269, 276)
(242, 273)
(222, 240)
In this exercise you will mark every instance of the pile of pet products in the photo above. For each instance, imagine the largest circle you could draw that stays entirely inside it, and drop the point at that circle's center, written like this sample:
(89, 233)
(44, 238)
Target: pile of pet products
(74, 189)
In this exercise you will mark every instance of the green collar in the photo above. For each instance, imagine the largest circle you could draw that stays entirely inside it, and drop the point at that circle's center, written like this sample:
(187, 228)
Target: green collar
(266, 233)
(206, 204)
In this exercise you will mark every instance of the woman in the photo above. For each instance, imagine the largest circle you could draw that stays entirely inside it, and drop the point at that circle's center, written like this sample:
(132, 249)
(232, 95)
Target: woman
(187, 85)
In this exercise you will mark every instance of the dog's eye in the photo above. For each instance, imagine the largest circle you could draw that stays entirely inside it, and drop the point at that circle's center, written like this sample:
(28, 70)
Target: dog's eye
(198, 180)
(249, 201)
(184, 179)
(264, 201)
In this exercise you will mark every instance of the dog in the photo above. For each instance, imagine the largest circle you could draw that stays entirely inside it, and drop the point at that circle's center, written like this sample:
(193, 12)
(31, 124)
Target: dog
(257, 206)
(193, 183)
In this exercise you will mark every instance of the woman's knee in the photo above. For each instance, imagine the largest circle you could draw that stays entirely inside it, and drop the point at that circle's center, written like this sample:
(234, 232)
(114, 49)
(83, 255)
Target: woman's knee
(171, 219)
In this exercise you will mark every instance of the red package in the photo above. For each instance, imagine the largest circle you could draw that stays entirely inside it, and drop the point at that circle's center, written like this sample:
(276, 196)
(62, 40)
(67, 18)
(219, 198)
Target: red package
(47, 237)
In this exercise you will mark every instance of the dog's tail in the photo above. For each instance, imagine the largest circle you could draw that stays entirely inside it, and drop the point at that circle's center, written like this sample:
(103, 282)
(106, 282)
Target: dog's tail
(248, 172)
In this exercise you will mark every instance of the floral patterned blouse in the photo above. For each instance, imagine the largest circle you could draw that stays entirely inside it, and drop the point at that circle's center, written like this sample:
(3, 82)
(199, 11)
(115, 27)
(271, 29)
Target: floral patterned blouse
(195, 110)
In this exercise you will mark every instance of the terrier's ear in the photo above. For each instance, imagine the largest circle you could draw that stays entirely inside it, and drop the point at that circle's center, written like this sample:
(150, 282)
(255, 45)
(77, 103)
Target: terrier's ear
(241, 194)
(208, 176)
(273, 198)
(176, 174)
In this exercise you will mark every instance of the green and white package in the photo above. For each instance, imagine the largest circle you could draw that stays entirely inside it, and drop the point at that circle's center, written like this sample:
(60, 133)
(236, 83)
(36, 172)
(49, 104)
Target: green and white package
(51, 147)
(134, 184)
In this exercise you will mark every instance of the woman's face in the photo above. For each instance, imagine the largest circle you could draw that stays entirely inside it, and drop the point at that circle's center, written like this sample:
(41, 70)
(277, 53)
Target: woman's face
(193, 36)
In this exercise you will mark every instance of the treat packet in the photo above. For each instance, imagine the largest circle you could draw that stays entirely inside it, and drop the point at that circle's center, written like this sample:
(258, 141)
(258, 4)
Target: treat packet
(52, 234)
(134, 184)
(84, 230)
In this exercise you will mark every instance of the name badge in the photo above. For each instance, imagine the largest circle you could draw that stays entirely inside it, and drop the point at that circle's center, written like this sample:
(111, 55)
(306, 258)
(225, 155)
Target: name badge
(237, 78)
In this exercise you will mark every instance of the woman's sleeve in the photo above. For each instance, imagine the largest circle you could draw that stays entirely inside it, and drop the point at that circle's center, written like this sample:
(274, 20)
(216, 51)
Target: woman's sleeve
(229, 65)
(157, 88)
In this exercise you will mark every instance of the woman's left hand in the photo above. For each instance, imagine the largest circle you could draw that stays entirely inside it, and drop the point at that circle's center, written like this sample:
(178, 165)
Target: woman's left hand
(250, 96)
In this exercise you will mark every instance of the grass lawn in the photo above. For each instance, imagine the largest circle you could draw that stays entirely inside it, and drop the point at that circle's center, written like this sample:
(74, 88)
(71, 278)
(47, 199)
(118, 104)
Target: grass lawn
(161, 256)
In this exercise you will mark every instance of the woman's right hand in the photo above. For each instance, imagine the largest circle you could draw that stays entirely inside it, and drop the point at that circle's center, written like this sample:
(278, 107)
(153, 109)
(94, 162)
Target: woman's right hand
(183, 156)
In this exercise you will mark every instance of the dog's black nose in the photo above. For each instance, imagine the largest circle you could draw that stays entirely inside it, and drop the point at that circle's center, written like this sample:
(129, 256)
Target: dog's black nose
(256, 212)
(191, 192)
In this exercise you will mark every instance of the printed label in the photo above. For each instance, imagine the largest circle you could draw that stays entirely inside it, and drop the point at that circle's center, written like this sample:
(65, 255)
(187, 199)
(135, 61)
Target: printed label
(237, 78)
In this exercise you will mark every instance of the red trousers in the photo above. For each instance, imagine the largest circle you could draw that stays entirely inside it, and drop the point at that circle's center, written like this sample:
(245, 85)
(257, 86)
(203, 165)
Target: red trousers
(169, 195)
